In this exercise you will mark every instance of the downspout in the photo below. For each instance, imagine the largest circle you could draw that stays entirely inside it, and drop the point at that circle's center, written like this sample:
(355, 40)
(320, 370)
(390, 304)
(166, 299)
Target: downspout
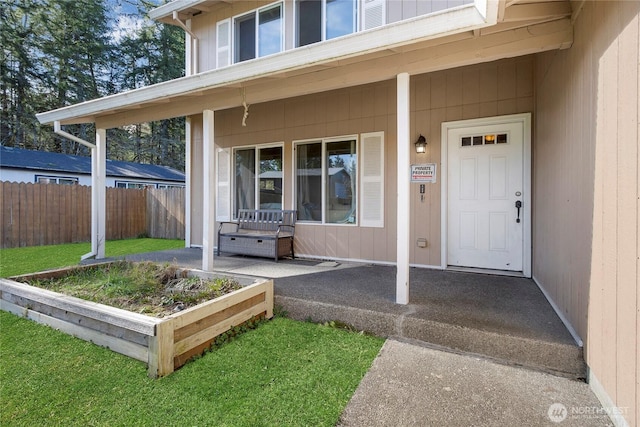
(57, 128)
(194, 40)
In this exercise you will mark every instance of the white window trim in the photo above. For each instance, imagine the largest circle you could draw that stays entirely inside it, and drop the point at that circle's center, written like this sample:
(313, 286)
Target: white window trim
(165, 186)
(256, 13)
(323, 177)
(126, 182)
(56, 178)
(232, 171)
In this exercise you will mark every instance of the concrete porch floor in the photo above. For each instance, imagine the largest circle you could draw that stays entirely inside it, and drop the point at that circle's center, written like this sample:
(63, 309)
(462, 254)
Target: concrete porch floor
(506, 319)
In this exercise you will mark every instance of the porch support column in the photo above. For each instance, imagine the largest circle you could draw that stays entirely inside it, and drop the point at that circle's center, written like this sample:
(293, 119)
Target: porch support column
(208, 187)
(99, 194)
(187, 182)
(403, 202)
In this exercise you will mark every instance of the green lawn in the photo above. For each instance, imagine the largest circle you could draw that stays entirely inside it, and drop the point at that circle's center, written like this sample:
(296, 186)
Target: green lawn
(284, 373)
(30, 259)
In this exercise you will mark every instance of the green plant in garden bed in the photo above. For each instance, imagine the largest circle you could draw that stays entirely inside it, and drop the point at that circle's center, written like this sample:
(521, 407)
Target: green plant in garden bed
(284, 373)
(143, 287)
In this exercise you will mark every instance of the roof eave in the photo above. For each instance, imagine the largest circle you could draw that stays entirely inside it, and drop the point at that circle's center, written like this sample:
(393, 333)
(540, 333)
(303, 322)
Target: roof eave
(165, 12)
(478, 15)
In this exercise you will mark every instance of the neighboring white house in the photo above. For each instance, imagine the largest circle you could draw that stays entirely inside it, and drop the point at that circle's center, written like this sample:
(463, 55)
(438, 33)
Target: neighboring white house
(20, 165)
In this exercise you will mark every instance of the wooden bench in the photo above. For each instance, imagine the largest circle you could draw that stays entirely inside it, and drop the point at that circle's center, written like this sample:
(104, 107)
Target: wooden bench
(263, 232)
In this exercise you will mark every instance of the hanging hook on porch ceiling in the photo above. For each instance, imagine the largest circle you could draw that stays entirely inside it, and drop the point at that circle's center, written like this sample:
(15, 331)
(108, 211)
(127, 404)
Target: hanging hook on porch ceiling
(246, 107)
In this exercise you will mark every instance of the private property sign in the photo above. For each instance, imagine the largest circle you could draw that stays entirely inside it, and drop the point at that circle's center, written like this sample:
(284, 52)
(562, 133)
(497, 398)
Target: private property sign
(425, 172)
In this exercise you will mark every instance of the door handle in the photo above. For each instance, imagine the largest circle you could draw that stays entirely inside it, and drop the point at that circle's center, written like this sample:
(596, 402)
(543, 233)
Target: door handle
(518, 206)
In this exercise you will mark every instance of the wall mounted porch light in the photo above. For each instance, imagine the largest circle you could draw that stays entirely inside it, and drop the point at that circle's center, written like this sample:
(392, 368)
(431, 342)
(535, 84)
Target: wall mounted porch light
(421, 144)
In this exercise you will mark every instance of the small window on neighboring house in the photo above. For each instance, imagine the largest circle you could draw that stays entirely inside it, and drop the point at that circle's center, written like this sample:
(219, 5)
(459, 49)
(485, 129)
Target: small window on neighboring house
(318, 20)
(41, 179)
(258, 33)
(129, 184)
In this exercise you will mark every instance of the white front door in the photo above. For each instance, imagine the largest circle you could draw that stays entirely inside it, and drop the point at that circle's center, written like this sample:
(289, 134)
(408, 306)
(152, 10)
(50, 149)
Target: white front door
(485, 185)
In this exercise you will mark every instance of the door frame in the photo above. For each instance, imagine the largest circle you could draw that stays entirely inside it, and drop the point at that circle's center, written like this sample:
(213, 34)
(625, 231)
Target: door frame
(525, 120)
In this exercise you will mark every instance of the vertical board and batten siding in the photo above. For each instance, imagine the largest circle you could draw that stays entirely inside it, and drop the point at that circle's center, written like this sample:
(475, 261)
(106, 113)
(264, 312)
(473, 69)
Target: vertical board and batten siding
(485, 90)
(586, 243)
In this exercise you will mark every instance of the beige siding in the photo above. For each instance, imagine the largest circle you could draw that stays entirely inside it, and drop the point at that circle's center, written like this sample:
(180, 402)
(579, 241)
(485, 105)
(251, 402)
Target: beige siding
(407, 9)
(463, 93)
(196, 181)
(586, 205)
(204, 25)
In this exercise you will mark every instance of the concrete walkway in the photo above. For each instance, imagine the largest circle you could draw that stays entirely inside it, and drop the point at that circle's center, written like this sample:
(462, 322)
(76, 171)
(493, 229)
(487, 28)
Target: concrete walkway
(411, 385)
(456, 353)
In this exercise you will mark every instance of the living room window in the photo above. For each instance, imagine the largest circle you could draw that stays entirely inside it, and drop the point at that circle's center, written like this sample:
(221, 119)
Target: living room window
(318, 20)
(326, 172)
(258, 33)
(258, 178)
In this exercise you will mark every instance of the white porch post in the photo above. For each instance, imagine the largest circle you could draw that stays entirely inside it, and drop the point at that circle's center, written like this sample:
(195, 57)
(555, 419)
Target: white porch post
(99, 194)
(208, 187)
(403, 205)
(187, 182)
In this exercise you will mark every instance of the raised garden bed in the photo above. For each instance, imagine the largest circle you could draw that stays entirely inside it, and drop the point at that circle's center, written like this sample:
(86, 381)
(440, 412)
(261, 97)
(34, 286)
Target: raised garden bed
(163, 343)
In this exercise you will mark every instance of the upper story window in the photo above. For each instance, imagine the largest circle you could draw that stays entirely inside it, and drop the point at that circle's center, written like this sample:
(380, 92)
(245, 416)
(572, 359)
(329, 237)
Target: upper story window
(258, 33)
(318, 20)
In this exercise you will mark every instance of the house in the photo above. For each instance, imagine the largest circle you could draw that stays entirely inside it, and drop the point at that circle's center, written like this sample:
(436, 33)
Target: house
(20, 165)
(530, 113)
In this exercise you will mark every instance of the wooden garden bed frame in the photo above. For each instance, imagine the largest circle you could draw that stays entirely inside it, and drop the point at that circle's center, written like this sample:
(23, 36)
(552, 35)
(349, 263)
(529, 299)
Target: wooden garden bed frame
(164, 344)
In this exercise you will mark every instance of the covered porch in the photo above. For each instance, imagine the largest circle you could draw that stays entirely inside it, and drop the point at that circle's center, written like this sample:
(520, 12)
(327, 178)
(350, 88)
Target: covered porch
(507, 319)
(478, 33)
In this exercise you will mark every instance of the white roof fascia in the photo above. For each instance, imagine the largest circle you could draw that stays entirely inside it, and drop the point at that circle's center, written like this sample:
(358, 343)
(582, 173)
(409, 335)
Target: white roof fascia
(166, 10)
(447, 22)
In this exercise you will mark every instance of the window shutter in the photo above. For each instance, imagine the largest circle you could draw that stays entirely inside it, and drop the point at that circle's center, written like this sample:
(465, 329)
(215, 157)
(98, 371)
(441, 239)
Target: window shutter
(372, 180)
(223, 185)
(373, 14)
(223, 43)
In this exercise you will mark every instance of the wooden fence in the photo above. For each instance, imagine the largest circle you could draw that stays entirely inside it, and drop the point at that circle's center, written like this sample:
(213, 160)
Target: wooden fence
(49, 214)
(165, 213)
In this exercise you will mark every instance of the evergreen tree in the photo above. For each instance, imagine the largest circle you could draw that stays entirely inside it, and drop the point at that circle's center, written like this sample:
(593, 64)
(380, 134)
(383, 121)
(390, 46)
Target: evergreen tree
(61, 52)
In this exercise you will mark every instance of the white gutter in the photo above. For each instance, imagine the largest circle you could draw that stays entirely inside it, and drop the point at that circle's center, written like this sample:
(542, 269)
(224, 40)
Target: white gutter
(58, 129)
(440, 24)
(194, 42)
(167, 9)
(98, 191)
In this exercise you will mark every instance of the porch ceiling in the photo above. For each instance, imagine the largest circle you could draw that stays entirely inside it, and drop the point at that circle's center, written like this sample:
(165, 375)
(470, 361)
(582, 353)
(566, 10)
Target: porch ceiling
(421, 45)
